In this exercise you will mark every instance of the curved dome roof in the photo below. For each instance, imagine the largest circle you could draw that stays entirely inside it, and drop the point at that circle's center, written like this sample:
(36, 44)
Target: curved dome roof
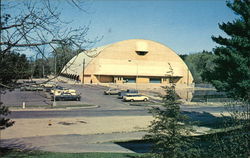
(127, 58)
(75, 65)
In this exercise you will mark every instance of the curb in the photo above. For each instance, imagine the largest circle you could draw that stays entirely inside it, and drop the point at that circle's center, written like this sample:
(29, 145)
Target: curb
(55, 109)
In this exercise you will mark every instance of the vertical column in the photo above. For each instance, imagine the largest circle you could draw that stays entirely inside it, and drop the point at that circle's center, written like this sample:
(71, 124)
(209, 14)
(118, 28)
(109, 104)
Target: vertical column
(83, 69)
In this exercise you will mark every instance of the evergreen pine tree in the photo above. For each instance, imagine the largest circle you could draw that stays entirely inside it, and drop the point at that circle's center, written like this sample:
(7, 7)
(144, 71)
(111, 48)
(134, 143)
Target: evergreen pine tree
(167, 132)
(232, 72)
(4, 121)
(232, 75)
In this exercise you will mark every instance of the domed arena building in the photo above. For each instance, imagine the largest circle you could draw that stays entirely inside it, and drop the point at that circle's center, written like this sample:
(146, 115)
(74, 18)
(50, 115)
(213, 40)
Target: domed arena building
(129, 61)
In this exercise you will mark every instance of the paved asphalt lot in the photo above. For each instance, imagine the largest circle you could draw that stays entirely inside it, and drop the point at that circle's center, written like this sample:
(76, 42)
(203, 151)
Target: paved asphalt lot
(90, 94)
(107, 105)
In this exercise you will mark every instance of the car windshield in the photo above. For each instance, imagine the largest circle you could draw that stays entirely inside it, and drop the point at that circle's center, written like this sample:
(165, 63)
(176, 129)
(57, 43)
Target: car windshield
(66, 93)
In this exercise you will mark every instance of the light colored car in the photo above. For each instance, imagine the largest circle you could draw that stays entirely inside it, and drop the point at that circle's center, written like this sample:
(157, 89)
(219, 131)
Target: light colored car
(48, 85)
(58, 90)
(31, 88)
(135, 97)
(112, 91)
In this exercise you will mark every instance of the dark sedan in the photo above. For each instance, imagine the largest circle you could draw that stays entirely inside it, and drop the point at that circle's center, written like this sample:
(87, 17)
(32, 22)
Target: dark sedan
(67, 97)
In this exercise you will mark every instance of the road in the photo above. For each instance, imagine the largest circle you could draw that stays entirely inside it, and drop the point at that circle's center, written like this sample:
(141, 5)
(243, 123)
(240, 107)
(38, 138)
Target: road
(77, 113)
(96, 112)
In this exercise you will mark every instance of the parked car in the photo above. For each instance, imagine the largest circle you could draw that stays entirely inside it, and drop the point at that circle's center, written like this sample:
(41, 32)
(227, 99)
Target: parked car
(29, 82)
(121, 94)
(127, 92)
(60, 90)
(31, 88)
(112, 91)
(48, 85)
(56, 88)
(66, 97)
(132, 91)
(135, 97)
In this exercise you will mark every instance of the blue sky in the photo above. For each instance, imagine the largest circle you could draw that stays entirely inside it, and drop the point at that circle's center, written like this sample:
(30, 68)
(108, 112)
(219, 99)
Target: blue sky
(186, 26)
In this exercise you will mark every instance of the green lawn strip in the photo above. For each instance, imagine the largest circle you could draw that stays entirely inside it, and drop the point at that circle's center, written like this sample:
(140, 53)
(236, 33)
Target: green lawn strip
(41, 154)
(71, 106)
(144, 104)
(54, 107)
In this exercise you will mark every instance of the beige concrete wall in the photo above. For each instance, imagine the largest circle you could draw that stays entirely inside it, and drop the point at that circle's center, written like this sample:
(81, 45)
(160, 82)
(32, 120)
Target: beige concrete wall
(121, 59)
(87, 78)
(105, 79)
(142, 80)
(118, 79)
(165, 80)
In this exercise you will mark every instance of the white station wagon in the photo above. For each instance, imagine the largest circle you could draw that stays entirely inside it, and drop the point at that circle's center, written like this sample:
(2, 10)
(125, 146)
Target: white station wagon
(135, 97)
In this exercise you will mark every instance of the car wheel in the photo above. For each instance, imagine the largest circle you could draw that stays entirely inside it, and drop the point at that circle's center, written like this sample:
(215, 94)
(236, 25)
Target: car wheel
(132, 100)
(145, 99)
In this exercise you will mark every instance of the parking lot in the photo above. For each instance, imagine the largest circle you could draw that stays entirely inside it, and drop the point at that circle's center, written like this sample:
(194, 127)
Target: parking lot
(90, 95)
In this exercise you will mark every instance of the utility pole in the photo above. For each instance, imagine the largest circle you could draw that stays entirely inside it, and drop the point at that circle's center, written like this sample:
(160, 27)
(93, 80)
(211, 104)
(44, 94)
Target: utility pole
(136, 79)
(83, 69)
(55, 63)
(43, 71)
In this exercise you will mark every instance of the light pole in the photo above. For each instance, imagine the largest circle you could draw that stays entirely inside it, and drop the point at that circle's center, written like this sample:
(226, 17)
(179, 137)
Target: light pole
(136, 73)
(55, 64)
(54, 100)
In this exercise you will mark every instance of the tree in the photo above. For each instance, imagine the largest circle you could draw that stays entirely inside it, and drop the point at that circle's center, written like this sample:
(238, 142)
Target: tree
(231, 75)
(41, 68)
(199, 63)
(4, 122)
(34, 26)
(37, 26)
(62, 55)
(167, 131)
(13, 66)
(232, 72)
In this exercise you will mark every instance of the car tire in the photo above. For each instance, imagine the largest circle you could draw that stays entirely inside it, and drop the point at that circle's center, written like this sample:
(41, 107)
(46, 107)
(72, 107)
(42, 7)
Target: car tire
(145, 99)
(132, 100)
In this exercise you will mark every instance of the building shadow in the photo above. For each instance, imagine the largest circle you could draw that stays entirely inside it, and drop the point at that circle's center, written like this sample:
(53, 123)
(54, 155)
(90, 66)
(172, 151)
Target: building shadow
(202, 119)
(206, 119)
(137, 146)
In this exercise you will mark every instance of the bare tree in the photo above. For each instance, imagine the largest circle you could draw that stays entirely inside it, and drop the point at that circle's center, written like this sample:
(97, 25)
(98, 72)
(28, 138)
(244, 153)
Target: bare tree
(35, 26)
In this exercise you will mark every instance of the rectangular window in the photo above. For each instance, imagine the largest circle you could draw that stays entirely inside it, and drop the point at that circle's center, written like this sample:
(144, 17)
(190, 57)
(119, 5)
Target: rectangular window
(141, 52)
(155, 80)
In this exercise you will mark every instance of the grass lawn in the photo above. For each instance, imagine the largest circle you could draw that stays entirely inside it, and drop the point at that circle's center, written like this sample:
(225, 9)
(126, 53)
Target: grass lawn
(40, 154)
(55, 107)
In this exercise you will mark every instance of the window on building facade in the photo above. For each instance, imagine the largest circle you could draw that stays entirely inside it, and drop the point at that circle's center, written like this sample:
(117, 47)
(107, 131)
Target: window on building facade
(141, 52)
